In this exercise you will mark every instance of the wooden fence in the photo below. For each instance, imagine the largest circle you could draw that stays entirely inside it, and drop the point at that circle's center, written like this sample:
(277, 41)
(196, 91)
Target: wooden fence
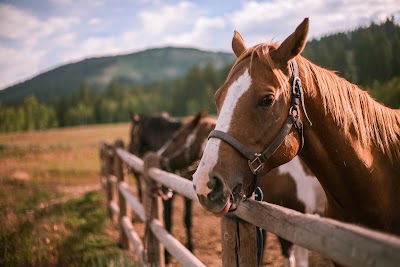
(346, 244)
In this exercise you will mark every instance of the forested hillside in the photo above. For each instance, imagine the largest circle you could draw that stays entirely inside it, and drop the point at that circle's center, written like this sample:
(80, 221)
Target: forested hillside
(369, 57)
(144, 67)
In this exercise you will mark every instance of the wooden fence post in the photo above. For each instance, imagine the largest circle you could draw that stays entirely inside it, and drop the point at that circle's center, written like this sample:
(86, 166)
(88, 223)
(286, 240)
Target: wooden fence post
(247, 244)
(124, 209)
(153, 210)
(229, 242)
(109, 173)
(239, 243)
(103, 174)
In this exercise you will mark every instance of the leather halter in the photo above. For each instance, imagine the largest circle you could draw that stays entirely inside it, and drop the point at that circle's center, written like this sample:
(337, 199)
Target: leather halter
(256, 160)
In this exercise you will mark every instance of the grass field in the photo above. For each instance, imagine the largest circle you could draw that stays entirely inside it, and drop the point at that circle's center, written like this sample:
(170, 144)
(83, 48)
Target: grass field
(52, 211)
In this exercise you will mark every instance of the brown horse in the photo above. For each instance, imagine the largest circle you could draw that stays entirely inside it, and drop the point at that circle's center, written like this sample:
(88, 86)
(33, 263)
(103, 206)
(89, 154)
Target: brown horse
(273, 103)
(291, 185)
(150, 133)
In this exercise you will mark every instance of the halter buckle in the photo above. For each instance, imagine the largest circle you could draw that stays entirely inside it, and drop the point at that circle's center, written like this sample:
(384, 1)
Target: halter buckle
(293, 111)
(258, 161)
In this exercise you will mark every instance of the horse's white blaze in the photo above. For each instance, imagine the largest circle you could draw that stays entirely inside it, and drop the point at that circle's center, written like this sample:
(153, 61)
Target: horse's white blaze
(210, 156)
(305, 184)
(191, 137)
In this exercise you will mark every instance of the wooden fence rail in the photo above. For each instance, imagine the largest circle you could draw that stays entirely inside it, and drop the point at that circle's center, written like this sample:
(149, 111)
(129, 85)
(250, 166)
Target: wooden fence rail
(119, 198)
(346, 244)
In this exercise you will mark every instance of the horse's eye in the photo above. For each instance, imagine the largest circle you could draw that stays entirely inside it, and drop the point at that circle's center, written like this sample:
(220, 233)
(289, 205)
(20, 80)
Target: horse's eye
(267, 101)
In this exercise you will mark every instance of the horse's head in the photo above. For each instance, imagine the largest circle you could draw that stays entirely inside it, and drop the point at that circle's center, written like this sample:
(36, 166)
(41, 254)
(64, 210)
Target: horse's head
(186, 146)
(134, 144)
(151, 132)
(256, 111)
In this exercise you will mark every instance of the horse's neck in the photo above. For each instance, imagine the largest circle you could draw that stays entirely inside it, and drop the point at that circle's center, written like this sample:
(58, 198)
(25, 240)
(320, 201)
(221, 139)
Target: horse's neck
(355, 178)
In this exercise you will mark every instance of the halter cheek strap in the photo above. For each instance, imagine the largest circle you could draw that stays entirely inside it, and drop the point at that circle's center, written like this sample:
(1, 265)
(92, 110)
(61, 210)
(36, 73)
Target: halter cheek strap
(256, 160)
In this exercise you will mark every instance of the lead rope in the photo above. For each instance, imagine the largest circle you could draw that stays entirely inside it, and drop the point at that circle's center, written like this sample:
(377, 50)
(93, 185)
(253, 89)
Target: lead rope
(259, 196)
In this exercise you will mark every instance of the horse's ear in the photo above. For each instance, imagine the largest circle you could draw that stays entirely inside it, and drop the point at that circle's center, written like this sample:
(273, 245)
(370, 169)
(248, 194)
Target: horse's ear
(238, 45)
(165, 114)
(134, 117)
(293, 45)
(199, 116)
(203, 113)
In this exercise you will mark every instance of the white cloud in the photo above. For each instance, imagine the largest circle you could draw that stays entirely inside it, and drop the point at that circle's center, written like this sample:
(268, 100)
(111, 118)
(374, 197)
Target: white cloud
(16, 23)
(97, 28)
(167, 18)
(65, 40)
(19, 24)
(94, 22)
(206, 33)
(277, 19)
(70, 3)
(32, 40)
(20, 64)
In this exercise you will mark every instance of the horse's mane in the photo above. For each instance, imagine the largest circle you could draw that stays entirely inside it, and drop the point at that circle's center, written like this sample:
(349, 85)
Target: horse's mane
(351, 107)
(354, 109)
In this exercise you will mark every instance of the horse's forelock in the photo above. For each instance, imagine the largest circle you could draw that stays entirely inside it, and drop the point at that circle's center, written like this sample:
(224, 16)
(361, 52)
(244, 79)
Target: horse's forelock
(262, 52)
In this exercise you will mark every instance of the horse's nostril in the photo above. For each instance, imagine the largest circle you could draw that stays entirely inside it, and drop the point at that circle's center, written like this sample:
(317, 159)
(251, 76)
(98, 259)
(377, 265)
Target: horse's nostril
(211, 182)
(216, 186)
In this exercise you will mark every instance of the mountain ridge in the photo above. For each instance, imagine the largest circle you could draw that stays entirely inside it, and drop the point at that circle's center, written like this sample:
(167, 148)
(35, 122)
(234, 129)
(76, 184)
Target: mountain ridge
(143, 67)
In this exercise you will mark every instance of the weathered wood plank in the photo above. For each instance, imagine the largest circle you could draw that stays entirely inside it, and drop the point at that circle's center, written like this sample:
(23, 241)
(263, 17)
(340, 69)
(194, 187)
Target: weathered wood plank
(124, 210)
(131, 160)
(178, 184)
(133, 238)
(132, 200)
(103, 181)
(108, 171)
(239, 243)
(113, 206)
(247, 252)
(174, 247)
(229, 241)
(344, 243)
(175, 182)
(153, 211)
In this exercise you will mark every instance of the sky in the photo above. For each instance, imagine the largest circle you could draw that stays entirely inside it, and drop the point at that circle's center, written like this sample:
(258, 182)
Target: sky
(39, 35)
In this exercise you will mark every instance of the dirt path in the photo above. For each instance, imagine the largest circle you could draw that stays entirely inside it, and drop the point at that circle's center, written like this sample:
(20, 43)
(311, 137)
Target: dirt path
(206, 236)
(205, 229)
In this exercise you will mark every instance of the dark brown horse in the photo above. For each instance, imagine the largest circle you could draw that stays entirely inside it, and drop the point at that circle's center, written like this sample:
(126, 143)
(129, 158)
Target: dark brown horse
(273, 103)
(150, 133)
(291, 185)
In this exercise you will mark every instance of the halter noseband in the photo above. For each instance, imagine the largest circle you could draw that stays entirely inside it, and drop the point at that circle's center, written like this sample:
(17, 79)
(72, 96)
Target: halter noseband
(256, 160)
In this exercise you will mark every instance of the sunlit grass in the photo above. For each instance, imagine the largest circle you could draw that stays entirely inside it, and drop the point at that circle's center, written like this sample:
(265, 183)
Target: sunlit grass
(39, 226)
(69, 233)
(69, 155)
